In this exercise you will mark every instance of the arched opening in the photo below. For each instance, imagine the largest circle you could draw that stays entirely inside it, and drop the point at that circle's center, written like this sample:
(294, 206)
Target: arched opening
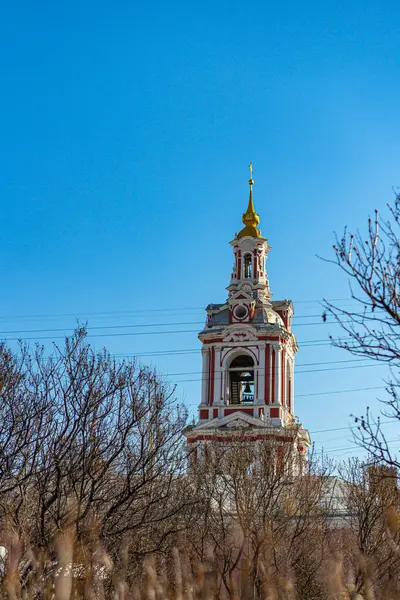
(248, 266)
(241, 380)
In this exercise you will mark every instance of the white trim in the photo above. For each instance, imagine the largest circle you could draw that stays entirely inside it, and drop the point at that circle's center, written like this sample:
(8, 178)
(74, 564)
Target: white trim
(211, 424)
(234, 351)
(278, 364)
(205, 356)
(217, 377)
(260, 384)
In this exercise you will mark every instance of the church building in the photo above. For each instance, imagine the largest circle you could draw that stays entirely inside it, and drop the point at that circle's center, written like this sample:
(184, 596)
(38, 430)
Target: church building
(248, 352)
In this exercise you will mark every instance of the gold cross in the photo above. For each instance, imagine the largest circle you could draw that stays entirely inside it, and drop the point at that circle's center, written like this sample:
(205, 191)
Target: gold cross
(251, 170)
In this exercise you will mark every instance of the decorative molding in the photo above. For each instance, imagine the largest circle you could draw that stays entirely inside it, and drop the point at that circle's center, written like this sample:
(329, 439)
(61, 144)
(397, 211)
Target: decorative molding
(239, 336)
(238, 422)
(241, 295)
(246, 288)
(218, 424)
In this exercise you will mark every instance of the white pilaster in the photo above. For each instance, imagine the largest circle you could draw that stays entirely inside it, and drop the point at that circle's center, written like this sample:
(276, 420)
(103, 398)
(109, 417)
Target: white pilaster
(205, 356)
(260, 391)
(278, 374)
(225, 383)
(217, 377)
(285, 382)
(291, 363)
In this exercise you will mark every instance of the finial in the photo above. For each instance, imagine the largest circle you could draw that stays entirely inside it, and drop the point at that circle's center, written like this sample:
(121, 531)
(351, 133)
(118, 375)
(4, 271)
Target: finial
(251, 174)
(250, 217)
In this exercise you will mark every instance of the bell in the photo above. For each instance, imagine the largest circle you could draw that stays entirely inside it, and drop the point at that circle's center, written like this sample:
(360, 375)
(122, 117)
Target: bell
(247, 389)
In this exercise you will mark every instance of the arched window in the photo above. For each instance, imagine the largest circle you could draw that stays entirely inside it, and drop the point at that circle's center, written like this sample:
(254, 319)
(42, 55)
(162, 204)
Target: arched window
(241, 380)
(248, 266)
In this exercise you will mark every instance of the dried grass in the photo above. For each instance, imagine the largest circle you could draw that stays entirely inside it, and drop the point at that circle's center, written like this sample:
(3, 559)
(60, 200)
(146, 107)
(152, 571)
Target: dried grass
(98, 578)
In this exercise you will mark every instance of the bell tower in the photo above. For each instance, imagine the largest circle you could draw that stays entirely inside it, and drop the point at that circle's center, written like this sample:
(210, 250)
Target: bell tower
(248, 353)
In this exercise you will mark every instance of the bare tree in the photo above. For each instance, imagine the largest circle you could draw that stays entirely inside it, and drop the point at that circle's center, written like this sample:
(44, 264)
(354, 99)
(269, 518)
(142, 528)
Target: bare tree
(372, 325)
(371, 548)
(91, 446)
(255, 514)
(25, 421)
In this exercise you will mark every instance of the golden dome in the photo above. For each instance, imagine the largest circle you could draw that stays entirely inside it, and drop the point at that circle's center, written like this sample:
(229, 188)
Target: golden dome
(250, 218)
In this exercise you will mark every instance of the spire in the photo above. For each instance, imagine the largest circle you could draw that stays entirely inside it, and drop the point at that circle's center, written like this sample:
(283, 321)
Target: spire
(250, 218)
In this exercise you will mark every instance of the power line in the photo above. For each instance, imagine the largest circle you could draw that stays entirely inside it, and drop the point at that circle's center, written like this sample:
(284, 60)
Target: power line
(160, 353)
(380, 387)
(99, 313)
(142, 325)
(312, 364)
(280, 368)
(345, 428)
(370, 364)
(352, 446)
(171, 313)
(324, 342)
(195, 350)
(147, 310)
(345, 436)
(96, 327)
(348, 428)
(332, 392)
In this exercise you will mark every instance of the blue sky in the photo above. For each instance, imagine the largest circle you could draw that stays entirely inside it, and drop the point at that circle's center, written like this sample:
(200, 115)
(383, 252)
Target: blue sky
(126, 133)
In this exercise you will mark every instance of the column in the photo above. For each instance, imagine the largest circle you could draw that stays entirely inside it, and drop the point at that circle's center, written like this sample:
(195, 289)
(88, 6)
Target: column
(267, 382)
(283, 378)
(205, 374)
(278, 371)
(291, 371)
(260, 391)
(217, 377)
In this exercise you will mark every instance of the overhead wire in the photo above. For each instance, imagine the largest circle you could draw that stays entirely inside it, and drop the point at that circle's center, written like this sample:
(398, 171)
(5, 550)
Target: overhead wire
(350, 447)
(136, 333)
(349, 431)
(163, 309)
(280, 368)
(143, 325)
(144, 312)
(325, 393)
(344, 428)
(370, 363)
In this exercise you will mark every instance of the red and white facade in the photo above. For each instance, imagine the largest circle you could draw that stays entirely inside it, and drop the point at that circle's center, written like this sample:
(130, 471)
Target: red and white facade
(248, 354)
